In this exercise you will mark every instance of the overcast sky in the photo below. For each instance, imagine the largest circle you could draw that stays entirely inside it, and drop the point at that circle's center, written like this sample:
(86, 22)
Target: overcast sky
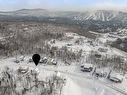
(68, 5)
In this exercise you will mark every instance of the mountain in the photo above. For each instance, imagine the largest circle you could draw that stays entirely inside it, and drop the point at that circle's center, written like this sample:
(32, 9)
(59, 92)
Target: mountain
(98, 20)
(100, 15)
(26, 12)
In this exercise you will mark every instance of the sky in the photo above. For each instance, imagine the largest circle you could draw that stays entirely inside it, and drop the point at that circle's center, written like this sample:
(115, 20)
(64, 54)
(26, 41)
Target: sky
(66, 5)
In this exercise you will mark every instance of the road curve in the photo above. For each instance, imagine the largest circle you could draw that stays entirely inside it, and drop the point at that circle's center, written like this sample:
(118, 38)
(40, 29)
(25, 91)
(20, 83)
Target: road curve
(121, 92)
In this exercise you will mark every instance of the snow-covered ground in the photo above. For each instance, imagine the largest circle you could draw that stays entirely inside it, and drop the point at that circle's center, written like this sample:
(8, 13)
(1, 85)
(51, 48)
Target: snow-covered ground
(112, 36)
(81, 86)
(75, 42)
(78, 83)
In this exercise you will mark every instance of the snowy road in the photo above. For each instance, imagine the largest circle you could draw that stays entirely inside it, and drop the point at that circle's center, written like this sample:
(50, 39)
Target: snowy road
(80, 85)
(77, 83)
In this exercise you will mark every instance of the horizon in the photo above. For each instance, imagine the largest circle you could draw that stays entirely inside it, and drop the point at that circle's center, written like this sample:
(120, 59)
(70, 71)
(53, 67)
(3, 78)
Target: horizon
(91, 10)
(63, 5)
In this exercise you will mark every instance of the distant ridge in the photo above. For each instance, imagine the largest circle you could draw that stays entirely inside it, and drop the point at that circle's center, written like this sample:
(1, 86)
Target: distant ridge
(97, 15)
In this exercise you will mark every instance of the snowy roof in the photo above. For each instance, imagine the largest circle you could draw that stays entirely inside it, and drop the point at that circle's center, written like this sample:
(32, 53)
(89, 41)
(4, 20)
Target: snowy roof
(87, 65)
(100, 71)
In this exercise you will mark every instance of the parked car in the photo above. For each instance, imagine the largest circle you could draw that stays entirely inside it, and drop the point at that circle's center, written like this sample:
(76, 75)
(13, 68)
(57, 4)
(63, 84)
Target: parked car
(43, 60)
(53, 62)
(100, 73)
(102, 49)
(98, 56)
(30, 60)
(86, 67)
(23, 70)
(22, 58)
(69, 44)
(117, 78)
(16, 61)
